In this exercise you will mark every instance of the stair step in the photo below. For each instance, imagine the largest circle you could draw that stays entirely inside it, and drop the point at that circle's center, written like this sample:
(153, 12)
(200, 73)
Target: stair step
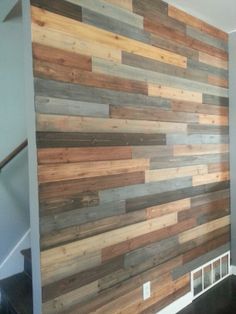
(27, 254)
(17, 294)
(27, 262)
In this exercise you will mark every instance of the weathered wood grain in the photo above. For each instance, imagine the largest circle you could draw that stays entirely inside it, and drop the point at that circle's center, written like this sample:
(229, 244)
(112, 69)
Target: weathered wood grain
(199, 108)
(205, 228)
(209, 178)
(173, 93)
(151, 114)
(107, 9)
(121, 70)
(188, 150)
(78, 29)
(61, 57)
(213, 119)
(195, 22)
(59, 123)
(76, 75)
(182, 38)
(131, 101)
(74, 171)
(59, 204)
(74, 187)
(78, 154)
(180, 161)
(95, 95)
(171, 173)
(141, 202)
(51, 105)
(64, 8)
(78, 139)
(208, 59)
(125, 4)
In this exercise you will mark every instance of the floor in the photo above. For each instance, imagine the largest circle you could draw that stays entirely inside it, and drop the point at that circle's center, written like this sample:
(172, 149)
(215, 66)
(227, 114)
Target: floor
(221, 299)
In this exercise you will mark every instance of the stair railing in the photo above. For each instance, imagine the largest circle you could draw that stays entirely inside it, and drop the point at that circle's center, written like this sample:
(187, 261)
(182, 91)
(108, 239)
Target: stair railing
(13, 154)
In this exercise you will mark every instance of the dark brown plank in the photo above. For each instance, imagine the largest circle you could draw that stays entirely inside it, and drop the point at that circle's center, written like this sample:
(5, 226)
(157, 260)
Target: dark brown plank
(61, 7)
(57, 139)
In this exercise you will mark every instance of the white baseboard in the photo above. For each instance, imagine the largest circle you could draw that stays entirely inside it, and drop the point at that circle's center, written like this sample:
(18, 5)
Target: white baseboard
(14, 262)
(177, 305)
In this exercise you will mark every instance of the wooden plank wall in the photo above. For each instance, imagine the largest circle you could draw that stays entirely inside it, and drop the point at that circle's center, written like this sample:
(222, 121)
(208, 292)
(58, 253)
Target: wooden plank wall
(132, 134)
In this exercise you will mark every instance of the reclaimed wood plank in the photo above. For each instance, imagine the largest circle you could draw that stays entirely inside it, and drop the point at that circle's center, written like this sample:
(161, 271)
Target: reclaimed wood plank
(78, 154)
(79, 30)
(173, 93)
(75, 75)
(74, 187)
(59, 123)
(125, 4)
(55, 39)
(109, 9)
(80, 170)
(171, 173)
(204, 37)
(52, 105)
(209, 178)
(214, 61)
(151, 114)
(213, 119)
(195, 22)
(203, 229)
(199, 108)
(58, 204)
(98, 139)
(188, 150)
(60, 7)
(96, 95)
(61, 57)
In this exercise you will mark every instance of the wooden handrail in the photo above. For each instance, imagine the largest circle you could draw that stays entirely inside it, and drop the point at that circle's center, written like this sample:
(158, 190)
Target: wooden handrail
(13, 154)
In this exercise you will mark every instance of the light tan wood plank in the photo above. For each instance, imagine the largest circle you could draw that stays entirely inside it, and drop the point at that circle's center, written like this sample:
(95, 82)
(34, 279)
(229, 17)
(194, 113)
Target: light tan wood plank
(191, 150)
(168, 208)
(210, 178)
(171, 173)
(59, 123)
(214, 61)
(124, 4)
(173, 93)
(57, 39)
(213, 119)
(65, 25)
(77, 154)
(204, 229)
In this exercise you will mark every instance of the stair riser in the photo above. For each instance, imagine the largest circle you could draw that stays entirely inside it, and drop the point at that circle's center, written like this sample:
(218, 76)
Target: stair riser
(28, 267)
(6, 306)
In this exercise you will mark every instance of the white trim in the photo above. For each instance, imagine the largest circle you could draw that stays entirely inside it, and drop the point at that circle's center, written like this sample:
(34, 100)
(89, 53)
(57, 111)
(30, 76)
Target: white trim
(233, 31)
(177, 305)
(15, 249)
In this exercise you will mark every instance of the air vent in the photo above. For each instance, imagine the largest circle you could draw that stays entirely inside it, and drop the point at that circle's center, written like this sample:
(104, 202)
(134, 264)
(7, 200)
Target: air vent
(210, 274)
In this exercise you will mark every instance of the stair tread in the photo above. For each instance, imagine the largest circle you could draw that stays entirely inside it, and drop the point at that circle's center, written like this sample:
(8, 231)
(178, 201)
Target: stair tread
(18, 289)
(27, 254)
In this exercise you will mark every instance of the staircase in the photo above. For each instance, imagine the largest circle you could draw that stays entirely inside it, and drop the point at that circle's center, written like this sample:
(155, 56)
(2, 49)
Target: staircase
(16, 291)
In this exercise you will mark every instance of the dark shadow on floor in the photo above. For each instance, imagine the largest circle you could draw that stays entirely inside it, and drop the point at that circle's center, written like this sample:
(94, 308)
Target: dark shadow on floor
(220, 299)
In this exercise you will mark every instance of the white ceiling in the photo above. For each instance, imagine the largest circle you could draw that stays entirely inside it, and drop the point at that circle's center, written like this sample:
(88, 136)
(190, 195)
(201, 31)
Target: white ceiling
(220, 13)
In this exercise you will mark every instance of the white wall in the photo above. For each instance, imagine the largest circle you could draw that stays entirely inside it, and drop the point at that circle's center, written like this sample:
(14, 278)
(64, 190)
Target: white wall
(14, 204)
